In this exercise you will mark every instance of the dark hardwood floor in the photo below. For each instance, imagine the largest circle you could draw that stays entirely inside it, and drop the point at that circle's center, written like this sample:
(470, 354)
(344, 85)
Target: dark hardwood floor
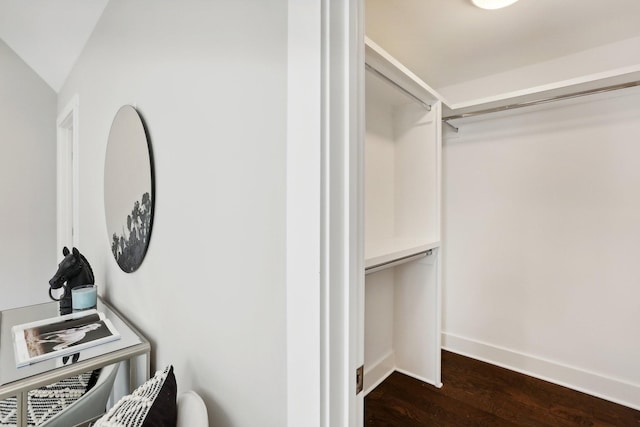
(480, 394)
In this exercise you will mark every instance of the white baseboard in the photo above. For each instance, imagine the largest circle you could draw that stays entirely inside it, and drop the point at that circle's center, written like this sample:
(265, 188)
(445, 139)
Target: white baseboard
(378, 371)
(612, 389)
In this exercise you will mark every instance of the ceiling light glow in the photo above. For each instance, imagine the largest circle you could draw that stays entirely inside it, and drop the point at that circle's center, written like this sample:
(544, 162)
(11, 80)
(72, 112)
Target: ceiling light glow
(493, 4)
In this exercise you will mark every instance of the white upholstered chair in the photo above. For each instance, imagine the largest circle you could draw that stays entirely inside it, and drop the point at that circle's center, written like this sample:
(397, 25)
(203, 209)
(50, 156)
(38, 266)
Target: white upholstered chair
(192, 412)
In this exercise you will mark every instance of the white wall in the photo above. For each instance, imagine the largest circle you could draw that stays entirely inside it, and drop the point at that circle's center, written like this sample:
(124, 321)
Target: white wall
(210, 80)
(542, 231)
(28, 184)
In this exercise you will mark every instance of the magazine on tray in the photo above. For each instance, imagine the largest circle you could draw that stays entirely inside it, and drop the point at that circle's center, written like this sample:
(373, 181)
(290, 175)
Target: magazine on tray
(61, 336)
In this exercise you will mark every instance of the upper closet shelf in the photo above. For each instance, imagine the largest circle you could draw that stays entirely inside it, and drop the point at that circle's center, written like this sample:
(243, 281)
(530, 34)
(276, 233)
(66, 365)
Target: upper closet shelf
(381, 62)
(620, 78)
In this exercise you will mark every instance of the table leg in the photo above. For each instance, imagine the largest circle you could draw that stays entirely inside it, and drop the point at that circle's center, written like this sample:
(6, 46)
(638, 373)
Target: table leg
(22, 407)
(132, 375)
(139, 371)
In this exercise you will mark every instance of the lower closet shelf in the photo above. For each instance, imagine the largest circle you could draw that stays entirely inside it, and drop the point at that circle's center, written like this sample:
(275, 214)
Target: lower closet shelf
(387, 251)
(402, 321)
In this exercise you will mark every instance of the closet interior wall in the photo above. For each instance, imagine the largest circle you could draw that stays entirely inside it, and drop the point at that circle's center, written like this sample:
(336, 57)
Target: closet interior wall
(540, 210)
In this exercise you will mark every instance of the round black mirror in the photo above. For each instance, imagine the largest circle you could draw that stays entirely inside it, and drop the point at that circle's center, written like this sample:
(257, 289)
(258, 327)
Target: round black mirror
(128, 189)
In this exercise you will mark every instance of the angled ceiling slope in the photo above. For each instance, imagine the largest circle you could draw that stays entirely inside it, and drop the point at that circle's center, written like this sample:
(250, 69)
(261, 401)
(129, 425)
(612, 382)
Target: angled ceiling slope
(49, 35)
(444, 41)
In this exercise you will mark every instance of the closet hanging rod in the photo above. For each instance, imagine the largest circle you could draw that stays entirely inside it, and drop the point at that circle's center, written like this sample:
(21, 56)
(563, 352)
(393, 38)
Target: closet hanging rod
(543, 101)
(398, 261)
(406, 92)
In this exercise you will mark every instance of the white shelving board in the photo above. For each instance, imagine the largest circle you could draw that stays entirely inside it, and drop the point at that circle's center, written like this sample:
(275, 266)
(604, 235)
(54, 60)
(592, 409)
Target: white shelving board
(402, 218)
(402, 322)
(381, 60)
(401, 162)
(386, 251)
(560, 88)
(402, 169)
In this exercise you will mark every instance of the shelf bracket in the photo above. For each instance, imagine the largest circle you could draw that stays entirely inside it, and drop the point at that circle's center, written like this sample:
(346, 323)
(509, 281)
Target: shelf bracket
(446, 122)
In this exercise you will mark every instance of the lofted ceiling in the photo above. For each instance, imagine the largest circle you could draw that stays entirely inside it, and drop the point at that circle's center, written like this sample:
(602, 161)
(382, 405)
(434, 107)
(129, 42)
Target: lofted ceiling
(443, 41)
(49, 35)
(446, 42)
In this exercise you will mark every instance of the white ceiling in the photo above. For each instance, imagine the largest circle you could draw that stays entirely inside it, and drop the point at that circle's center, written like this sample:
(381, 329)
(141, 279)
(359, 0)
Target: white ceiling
(49, 35)
(450, 41)
(442, 41)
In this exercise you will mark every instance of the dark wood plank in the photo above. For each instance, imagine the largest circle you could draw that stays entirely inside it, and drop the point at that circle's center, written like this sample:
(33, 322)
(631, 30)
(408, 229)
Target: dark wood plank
(427, 406)
(480, 394)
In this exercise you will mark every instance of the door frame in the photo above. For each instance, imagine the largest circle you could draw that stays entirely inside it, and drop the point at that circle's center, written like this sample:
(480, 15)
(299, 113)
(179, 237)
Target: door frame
(67, 165)
(325, 272)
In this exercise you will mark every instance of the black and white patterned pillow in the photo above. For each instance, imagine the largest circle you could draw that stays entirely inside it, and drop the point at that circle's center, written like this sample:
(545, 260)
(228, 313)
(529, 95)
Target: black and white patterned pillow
(153, 404)
(46, 402)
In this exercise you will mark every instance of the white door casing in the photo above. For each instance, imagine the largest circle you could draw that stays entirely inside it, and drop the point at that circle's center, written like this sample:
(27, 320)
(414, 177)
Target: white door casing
(325, 274)
(67, 176)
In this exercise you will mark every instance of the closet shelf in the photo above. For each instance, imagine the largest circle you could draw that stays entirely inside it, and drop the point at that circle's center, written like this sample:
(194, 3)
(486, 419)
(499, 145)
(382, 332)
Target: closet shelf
(386, 65)
(401, 222)
(572, 88)
(384, 252)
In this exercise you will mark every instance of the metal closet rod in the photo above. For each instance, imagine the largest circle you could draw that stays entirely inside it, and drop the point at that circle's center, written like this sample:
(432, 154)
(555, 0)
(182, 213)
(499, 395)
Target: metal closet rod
(406, 92)
(398, 261)
(540, 101)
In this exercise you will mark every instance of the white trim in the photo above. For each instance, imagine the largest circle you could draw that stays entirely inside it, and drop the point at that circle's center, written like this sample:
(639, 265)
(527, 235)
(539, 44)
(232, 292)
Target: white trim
(342, 268)
(67, 175)
(439, 260)
(595, 384)
(379, 371)
(325, 270)
(303, 213)
(355, 100)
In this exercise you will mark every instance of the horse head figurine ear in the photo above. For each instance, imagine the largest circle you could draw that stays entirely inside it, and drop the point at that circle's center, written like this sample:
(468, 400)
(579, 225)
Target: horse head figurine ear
(74, 270)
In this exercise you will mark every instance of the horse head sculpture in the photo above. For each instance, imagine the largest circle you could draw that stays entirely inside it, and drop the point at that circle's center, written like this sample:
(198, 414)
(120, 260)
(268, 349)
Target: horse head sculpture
(74, 270)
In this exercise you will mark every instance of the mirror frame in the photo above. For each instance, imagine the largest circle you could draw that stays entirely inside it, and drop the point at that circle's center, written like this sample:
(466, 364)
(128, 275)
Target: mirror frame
(129, 189)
